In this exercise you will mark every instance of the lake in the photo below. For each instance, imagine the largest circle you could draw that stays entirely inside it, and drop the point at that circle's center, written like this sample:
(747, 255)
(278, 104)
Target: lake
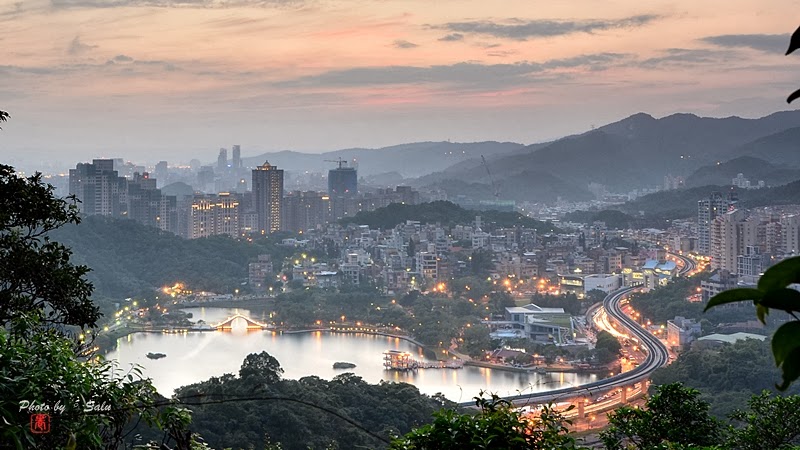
(196, 356)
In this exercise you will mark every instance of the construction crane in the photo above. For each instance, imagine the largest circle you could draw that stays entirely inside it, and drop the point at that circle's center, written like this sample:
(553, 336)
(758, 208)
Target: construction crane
(491, 178)
(339, 161)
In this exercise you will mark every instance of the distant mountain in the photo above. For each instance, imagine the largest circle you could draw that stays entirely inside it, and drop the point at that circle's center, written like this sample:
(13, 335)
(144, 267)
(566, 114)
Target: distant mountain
(636, 152)
(779, 148)
(409, 160)
(525, 186)
(754, 169)
(682, 203)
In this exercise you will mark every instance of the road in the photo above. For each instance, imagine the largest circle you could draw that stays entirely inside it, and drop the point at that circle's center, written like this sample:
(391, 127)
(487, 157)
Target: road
(688, 265)
(657, 356)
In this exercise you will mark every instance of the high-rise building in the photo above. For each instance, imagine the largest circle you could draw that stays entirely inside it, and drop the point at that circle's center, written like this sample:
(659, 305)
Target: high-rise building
(213, 215)
(236, 162)
(222, 160)
(726, 233)
(707, 210)
(268, 197)
(343, 181)
(161, 171)
(303, 211)
(99, 188)
(790, 235)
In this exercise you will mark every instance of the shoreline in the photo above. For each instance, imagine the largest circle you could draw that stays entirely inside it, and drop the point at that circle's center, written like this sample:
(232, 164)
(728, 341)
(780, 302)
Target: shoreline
(366, 330)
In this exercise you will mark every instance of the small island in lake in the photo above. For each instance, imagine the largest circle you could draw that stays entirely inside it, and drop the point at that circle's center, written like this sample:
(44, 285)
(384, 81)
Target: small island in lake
(152, 355)
(343, 365)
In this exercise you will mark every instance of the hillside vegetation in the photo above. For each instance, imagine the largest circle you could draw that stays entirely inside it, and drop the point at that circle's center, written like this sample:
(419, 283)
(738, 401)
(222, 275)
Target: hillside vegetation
(129, 259)
(445, 213)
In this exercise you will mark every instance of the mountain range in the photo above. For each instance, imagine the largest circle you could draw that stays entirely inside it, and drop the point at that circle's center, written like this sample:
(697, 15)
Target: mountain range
(638, 151)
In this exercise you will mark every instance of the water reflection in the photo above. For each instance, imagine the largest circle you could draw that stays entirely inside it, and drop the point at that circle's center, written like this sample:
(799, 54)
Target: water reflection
(195, 357)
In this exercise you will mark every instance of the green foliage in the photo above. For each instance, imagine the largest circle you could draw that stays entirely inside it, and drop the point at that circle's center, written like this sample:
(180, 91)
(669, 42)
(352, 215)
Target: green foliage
(480, 263)
(43, 297)
(3, 117)
(129, 259)
(497, 426)
(772, 423)
(772, 293)
(607, 347)
(41, 368)
(345, 412)
(674, 417)
(262, 367)
(727, 376)
(443, 212)
(665, 302)
(477, 341)
(569, 301)
(36, 275)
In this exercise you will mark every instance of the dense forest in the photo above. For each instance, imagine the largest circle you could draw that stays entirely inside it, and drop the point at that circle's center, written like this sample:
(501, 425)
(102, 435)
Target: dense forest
(129, 259)
(257, 406)
(666, 302)
(445, 213)
(727, 376)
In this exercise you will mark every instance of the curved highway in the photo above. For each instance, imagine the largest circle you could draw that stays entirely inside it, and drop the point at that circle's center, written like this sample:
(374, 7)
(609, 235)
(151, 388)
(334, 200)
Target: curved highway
(657, 356)
(688, 264)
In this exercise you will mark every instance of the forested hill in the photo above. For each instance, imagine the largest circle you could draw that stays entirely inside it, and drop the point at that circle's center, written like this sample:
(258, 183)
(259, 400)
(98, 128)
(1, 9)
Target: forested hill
(129, 259)
(444, 213)
(682, 203)
(315, 420)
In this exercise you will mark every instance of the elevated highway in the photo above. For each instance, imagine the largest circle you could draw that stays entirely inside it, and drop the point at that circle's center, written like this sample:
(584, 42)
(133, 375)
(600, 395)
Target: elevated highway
(657, 356)
(688, 264)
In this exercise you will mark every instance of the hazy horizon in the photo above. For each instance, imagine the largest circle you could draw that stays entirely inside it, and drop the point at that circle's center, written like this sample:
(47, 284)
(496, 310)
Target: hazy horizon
(149, 80)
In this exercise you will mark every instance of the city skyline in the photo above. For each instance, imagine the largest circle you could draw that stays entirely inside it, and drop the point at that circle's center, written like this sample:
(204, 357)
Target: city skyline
(164, 79)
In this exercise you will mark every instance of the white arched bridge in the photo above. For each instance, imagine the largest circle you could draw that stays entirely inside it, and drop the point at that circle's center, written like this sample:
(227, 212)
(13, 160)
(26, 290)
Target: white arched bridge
(227, 324)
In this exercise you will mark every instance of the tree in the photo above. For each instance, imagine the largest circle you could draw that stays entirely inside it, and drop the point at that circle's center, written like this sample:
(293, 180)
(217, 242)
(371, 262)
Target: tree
(3, 116)
(772, 423)
(42, 370)
(497, 426)
(263, 366)
(674, 417)
(36, 276)
(773, 292)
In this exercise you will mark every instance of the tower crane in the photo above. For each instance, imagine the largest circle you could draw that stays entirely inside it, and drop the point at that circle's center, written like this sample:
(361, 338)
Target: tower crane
(339, 161)
(491, 178)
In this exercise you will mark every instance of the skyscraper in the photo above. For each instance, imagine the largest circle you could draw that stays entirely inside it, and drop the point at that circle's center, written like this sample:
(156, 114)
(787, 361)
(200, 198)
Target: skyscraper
(222, 160)
(342, 181)
(236, 162)
(268, 197)
(99, 188)
(707, 210)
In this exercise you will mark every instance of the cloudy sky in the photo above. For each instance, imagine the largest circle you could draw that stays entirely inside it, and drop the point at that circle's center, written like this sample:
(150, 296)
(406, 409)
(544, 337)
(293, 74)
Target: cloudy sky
(176, 79)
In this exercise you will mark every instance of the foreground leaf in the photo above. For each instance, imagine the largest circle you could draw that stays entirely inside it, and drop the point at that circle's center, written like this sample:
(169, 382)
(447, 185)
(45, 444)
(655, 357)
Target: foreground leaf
(783, 299)
(761, 313)
(790, 369)
(780, 275)
(785, 340)
(794, 42)
(734, 295)
(793, 96)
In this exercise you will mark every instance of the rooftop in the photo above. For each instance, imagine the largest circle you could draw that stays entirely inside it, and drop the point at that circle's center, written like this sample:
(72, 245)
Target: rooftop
(731, 338)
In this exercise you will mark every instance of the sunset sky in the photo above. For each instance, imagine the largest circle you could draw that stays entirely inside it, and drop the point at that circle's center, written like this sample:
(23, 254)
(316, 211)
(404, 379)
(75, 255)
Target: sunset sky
(163, 79)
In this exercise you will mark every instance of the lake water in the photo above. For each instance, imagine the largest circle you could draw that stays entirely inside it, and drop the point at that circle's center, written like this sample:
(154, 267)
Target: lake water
(196, 356)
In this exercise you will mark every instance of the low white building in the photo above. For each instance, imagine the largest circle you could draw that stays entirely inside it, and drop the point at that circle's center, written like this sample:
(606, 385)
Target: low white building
(602, 282)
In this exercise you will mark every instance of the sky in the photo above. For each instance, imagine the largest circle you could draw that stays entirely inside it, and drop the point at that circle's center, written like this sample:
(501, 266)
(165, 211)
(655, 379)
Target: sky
(149, 80)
